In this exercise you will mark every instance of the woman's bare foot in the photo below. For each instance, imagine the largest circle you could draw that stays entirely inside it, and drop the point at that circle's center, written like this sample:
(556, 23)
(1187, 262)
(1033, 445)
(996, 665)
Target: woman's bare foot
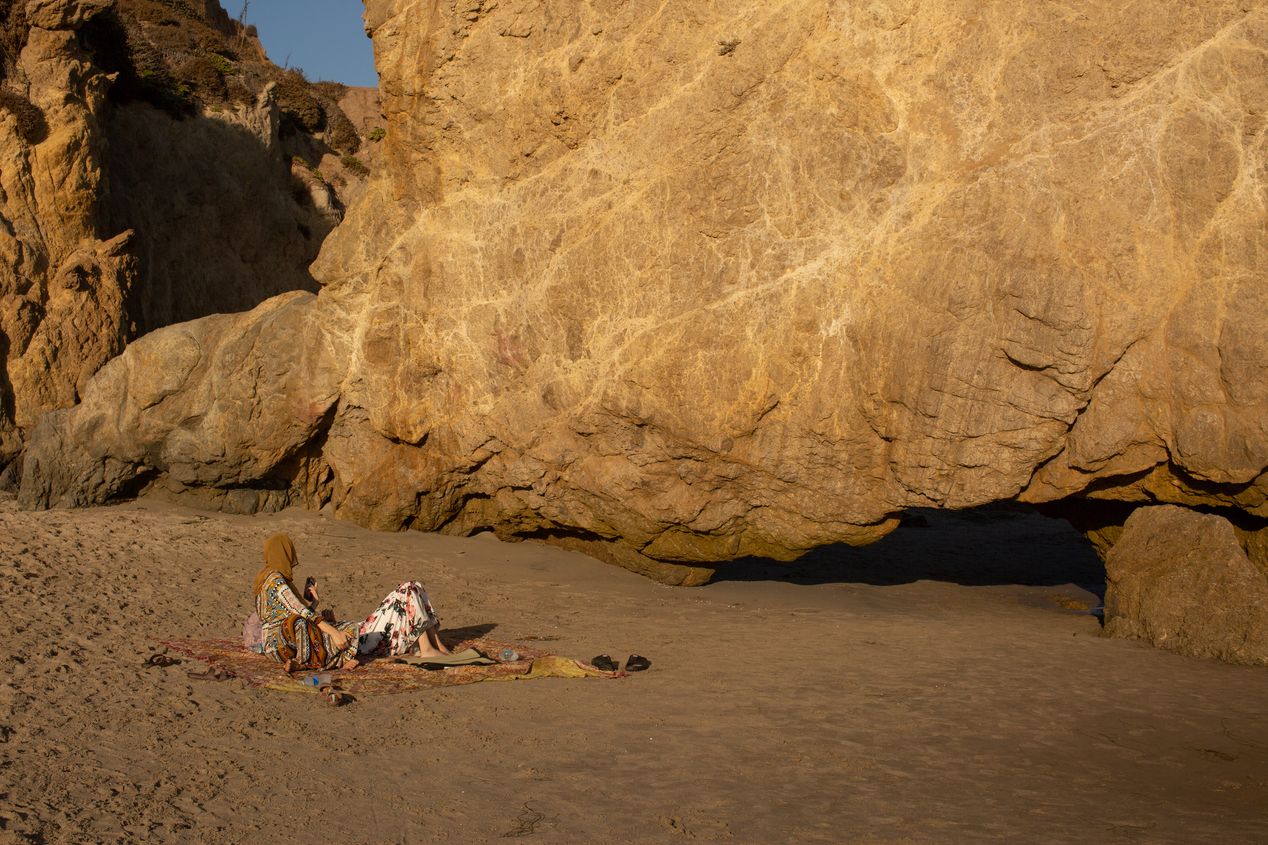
(426, 649)
(429, 644)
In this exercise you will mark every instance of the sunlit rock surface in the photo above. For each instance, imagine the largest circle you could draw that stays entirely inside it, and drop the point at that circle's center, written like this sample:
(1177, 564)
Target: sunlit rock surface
(676, 283)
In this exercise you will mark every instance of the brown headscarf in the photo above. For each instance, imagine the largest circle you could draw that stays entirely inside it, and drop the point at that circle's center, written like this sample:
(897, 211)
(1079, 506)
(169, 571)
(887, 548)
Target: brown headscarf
(279, 556)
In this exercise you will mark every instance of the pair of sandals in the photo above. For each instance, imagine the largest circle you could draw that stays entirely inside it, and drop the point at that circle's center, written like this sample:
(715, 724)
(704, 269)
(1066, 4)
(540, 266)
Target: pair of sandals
(633, 663)
(161, 660)
(330, 693)
(334, 696)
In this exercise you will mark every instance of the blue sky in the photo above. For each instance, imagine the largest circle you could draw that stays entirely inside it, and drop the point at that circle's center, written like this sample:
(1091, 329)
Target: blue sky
(324, 37)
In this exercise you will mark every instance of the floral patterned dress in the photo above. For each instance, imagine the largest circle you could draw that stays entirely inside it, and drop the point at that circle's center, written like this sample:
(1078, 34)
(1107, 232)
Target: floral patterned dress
(398, 622)
(290, 631)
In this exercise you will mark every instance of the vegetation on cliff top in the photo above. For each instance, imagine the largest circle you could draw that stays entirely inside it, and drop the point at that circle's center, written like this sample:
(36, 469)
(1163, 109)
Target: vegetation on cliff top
(181, 57)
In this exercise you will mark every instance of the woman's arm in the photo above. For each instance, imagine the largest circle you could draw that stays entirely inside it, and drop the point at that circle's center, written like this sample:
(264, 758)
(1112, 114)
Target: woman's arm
(337, 638)
(290, 601)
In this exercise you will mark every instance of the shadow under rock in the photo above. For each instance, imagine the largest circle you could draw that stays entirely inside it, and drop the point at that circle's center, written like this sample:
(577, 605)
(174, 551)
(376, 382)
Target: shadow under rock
(991, 545)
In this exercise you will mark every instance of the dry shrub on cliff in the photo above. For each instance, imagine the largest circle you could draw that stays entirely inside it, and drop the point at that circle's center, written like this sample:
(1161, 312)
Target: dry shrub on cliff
(181, 7)
(355, 165)
(32, 127)
(119, 44)
(239, 91)
(300, 108)
(220, 60)
(203, 75)
(161, 90)
(341, 134)
(13, 30)
(330, 91)
(182, 52)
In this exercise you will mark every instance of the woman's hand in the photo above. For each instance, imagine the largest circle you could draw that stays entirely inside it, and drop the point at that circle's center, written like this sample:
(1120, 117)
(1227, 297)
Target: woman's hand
(310, 592)
(338, 638)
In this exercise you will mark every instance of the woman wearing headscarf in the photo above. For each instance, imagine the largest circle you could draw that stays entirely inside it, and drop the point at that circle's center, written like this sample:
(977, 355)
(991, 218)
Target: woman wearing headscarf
(295, 634)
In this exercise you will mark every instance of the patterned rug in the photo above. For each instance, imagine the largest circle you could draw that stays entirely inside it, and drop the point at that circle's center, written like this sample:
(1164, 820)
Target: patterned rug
(381, 677)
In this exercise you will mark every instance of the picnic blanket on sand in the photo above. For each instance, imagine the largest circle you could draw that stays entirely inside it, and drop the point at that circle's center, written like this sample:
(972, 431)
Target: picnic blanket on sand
(381, 676)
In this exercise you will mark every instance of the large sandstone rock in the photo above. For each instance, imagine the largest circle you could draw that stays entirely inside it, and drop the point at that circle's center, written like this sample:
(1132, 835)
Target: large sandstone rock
(1182, 581)
(679, 283)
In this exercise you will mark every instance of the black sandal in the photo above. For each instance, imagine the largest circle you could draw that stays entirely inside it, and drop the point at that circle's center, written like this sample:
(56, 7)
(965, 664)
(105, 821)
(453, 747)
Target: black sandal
(604, 663)
(637, 663)
(160, 660)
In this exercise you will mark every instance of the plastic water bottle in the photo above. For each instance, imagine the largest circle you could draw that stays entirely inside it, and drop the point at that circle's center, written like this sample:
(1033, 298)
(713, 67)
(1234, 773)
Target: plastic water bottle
(318, 680)
(509, 655)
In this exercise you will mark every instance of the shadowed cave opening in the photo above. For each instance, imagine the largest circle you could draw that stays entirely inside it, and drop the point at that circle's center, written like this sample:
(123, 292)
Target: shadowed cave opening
(993, 545)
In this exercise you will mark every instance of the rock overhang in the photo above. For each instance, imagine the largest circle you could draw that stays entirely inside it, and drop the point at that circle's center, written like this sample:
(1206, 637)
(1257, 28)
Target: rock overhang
(675, 304)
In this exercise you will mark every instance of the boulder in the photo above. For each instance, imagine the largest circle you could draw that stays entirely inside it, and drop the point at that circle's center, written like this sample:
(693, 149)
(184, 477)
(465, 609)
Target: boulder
(1184, 582)
(683, 283)
(235, 365)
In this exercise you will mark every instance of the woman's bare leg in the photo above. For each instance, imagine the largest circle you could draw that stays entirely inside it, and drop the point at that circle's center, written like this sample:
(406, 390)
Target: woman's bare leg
(429, 644)
(433, 634)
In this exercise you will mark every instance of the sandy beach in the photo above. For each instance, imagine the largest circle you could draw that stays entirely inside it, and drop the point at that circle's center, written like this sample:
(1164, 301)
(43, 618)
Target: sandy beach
(946, 685)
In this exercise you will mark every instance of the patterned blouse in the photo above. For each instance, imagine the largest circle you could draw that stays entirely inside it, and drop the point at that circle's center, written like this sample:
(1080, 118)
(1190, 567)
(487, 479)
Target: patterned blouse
(290, 629)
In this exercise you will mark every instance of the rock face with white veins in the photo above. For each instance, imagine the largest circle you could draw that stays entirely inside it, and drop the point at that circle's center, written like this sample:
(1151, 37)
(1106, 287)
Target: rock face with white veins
(676, 283)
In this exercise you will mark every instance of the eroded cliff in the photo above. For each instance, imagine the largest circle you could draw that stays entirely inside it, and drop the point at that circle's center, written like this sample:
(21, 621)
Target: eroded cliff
(156, 168)
(678, 283)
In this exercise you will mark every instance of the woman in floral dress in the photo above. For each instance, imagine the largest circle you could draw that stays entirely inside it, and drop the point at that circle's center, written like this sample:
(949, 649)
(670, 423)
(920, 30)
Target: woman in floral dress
(404, 623)
(296, 635)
